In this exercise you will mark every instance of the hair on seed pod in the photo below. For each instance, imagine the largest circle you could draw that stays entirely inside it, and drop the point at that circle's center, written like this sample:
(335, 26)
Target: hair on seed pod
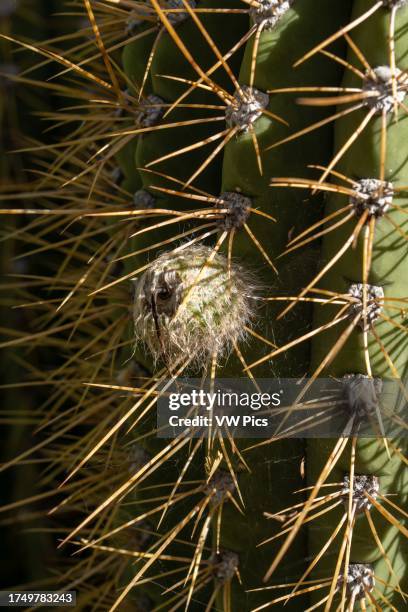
(190, 305)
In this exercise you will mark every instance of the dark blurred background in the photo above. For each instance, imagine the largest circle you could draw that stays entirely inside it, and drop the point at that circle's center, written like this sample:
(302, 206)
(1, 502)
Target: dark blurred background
(27, 546)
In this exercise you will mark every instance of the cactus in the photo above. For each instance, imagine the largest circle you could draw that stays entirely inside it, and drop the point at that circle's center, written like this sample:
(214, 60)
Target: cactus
(221, 221)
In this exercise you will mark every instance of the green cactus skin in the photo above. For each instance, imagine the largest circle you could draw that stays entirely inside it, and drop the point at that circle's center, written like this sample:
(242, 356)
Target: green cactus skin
(125, 159)
(241, 174)
(274, 69)
(388, 269)
(275, 58)
(134, 59)
(136, 55)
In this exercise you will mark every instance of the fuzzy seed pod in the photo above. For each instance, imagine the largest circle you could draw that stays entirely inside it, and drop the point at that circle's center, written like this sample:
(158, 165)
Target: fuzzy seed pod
(189, 305)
